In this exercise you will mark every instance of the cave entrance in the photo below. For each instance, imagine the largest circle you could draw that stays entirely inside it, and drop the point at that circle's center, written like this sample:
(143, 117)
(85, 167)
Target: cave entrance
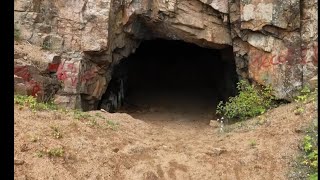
(171, 76)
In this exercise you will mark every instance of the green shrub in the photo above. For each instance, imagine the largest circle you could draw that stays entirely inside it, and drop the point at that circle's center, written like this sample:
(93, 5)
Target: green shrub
(306, 95)
(248, 103)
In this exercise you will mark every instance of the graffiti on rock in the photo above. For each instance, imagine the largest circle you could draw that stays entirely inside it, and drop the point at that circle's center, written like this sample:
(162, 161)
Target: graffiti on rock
(53, 67)
(70, 73)
(263, 60)
(35, 87)
(23, 72)
(87, 75)
(261, 65)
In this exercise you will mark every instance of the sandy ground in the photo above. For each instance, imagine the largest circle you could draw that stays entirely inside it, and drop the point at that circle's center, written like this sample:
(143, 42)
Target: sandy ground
(155, 144)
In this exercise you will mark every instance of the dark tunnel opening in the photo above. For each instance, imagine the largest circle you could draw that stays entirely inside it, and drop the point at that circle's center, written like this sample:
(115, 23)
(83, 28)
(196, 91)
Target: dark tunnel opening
(171, 76)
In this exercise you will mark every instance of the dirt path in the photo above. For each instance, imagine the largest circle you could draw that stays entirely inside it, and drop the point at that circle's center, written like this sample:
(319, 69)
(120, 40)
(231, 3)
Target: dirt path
(157, 145)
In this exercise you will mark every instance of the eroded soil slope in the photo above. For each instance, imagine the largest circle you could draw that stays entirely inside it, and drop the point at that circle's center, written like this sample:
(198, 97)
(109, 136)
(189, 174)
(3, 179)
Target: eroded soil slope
(167, 146)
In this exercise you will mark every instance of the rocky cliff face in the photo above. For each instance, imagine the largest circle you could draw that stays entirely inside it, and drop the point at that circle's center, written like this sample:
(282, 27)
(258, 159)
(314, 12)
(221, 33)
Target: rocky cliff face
(274, 42)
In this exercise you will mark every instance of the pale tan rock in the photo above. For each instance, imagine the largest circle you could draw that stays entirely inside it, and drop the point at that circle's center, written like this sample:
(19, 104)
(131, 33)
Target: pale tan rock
(214, 123)
(219, 5)
(313, 83)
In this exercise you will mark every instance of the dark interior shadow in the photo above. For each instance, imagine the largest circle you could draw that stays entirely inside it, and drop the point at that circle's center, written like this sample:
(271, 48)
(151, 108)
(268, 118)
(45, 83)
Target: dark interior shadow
(173, 77)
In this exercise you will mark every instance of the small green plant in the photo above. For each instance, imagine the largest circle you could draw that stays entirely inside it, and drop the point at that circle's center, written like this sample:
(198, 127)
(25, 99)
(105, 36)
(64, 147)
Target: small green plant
(33, 104)
(56, 132)
(311, 152)
(261, 120)
(248, 103)
(40, 154)
(239, 124)
(99, 115)
(305, 165)
(253, 143)
(77, 114)
(34, 139)
(25, 100)
(298, 110)
(92, 122)
(306, 95)
(63, 110)
(112, 125)
(55, 152)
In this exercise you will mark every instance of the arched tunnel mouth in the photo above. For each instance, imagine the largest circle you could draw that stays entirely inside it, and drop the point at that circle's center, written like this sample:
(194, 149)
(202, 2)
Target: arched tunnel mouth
(171, 76)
